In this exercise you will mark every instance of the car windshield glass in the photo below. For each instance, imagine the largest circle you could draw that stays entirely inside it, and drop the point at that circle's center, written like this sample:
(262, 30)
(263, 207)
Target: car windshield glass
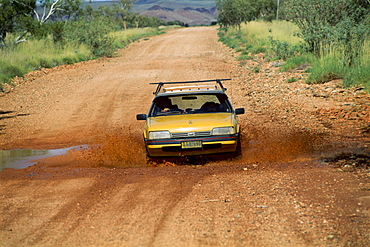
(190, 104)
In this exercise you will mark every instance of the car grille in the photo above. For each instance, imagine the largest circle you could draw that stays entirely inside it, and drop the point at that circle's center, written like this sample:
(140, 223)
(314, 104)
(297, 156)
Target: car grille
(191, 134)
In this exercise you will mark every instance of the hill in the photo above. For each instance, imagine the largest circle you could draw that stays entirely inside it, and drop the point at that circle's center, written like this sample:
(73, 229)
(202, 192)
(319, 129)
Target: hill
(189, 15)
(188, 11)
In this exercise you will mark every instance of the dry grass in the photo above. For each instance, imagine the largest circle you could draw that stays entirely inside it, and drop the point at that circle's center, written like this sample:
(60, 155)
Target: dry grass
(279, 30)
(18, 60)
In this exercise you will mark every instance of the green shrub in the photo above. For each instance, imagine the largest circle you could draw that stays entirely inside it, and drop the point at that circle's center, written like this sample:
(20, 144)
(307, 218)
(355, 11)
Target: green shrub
(46, 63)
(326, 69)
(284, 50)
(12, 71)
(9, 71)
(93, 34)
(69, 60)
(291, 79)
(358, 75)
(298, 61)
(243, 57)
(258, 49)
(57, 32)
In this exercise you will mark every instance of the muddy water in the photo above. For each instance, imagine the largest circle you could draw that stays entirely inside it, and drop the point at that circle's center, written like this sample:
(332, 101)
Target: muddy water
(22, 158)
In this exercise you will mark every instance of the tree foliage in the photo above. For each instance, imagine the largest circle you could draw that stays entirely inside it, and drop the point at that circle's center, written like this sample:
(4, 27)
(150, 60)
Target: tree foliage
(29, 16)
(93, 34)
(93, 25)
(66, 21)
(235, 12)
(324, 23)
(15, 16)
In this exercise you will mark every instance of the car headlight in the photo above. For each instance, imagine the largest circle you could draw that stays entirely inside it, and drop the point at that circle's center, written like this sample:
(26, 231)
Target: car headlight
(159, 135)
(223, 131)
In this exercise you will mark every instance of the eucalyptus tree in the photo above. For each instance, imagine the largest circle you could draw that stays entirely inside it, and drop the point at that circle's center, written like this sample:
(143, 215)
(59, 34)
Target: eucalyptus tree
(15, 16)
(325, 23)
(27, 17)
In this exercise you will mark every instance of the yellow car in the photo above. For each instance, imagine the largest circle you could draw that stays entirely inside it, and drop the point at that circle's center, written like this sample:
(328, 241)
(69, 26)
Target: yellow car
(191, 118)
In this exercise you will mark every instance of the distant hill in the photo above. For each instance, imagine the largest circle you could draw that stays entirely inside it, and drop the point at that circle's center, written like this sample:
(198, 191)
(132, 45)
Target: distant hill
(176, 4)
(189, 15)
(189, 11)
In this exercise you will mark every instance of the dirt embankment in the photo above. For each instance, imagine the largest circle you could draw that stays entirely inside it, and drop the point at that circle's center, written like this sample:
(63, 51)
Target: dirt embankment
(303, 178)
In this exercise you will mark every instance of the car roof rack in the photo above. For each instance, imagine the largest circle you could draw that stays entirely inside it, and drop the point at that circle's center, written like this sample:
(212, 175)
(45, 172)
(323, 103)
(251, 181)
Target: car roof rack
(161, 84)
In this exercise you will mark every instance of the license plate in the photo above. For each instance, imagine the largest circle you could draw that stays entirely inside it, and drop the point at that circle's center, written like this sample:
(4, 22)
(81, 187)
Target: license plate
(191, 144)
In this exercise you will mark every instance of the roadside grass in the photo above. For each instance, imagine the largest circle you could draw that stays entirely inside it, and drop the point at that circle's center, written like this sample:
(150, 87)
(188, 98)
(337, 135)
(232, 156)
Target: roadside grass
(278, 40)
(333, 65)
(123, 38)
(358, 75)
(16, 61)
(304, 61)
(279, 30)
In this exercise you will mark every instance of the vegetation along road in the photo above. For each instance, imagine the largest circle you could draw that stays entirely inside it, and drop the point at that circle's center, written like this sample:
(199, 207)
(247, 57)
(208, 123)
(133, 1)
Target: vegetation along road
(302, 179)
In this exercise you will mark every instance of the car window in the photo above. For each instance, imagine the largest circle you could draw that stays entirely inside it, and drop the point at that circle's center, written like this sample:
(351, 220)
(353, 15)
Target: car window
(190, 104)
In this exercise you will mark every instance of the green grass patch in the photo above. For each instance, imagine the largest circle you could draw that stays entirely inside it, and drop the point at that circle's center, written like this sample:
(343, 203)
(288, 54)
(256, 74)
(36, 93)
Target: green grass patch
(358, 75)
(304, 60)
(291, 79)
(37, 54)
(334, 65)
(123, 38)
(326, 69)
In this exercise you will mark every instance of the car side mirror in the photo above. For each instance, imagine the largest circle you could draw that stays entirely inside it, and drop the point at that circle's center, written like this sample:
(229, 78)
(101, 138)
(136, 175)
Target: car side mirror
(239, 111)
(141, 117)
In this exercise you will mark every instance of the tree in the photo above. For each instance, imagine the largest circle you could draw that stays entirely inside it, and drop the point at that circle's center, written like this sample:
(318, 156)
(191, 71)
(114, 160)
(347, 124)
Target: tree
(326, 22)
(123, 10)
(232, 12)
(29, 16)
(126, 5)
(235, 12)
(69, 9)
(14, 15)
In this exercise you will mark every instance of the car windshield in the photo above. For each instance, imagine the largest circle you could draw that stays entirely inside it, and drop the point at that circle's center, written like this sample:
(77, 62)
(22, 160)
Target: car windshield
(190, 104)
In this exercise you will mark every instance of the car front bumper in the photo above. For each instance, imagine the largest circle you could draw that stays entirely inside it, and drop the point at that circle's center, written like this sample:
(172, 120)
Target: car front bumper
(209, 145)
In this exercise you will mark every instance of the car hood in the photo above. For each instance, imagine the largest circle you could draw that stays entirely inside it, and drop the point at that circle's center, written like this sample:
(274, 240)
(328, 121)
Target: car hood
(190, 122)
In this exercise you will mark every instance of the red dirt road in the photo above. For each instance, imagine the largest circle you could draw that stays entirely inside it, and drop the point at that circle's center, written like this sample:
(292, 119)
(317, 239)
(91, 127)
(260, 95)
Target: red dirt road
(303, 178)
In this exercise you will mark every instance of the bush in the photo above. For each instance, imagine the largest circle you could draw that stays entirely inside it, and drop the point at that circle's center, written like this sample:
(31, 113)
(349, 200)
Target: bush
(93, 34)
(326, 69)
(284, 50)
(57, 32)
(12, 71)
(358, 75)
(297, 61)
(326, 22)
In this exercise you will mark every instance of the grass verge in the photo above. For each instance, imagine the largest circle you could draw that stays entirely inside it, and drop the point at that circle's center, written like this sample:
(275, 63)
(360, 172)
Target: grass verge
(16, 61)
(279, 41)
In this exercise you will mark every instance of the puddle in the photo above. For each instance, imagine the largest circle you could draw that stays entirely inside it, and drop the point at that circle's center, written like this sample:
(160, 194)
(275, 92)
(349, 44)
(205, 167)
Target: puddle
(23, 158)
